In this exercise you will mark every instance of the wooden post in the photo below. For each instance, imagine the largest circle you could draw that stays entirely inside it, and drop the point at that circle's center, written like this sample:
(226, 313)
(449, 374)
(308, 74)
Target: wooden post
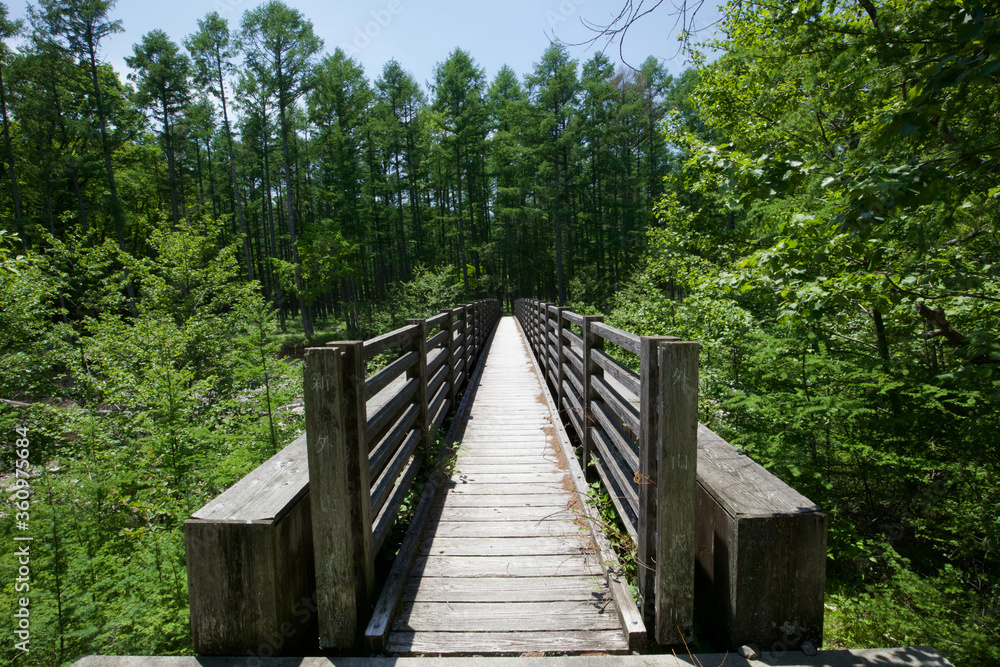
(469, 343)
(449, 358)
(344, 571)
(419, 371)
(590, 369)
(560, 359)
(649, 422)
(675, 491)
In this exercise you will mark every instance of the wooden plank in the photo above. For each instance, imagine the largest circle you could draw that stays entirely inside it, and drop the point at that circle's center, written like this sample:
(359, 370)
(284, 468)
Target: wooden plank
(506, 616)
(507, 566)
(384, 377)
(617, 403)
(385, 483)
(385, 450)
(622, 339)
(387, 416)
(464, 466)
(379, 344)
(615, 434)
(267, 493)
(626, 377)
(383, 522)
(551, 513)
(609, 641)
(510, 478)
(507, 489)
(498, 529)
(439, 319)
(504, 589)
(624, 476)
(438, 338)
(508, 546)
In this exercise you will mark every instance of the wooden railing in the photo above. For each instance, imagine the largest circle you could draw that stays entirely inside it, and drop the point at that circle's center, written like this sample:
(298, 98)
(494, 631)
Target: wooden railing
(293, 544)
(715, 534)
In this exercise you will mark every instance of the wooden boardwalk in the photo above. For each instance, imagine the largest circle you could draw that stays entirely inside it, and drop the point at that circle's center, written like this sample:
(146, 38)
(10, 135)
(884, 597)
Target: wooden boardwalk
(508, 564)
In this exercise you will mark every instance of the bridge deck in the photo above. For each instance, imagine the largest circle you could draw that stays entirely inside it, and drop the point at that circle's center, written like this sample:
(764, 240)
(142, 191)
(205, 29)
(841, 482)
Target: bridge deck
(508, 564)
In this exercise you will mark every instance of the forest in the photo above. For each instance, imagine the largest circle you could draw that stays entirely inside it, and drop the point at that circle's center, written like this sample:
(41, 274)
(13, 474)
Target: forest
(817, 206)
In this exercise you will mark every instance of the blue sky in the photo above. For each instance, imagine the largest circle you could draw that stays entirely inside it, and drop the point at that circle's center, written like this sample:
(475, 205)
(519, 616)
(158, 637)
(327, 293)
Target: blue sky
(420, 33)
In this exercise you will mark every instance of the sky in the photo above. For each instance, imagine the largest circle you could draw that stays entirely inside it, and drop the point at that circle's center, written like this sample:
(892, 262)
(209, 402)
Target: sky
(421, 33)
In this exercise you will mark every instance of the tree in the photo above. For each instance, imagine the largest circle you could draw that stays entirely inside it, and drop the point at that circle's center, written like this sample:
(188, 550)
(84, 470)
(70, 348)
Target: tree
(280, 47)
(554, 87)
(83, 24)
(212, 49)
(459, 85)
(9, 29)
(162, 74)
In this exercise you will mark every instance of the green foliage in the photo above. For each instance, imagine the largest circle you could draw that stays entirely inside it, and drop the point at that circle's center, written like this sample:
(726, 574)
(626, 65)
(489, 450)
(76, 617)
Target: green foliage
(829, 244)
(168, 406)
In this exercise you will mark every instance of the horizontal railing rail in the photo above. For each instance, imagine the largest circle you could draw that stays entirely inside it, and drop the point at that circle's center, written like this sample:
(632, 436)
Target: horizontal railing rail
(294, 542)
(691, 503)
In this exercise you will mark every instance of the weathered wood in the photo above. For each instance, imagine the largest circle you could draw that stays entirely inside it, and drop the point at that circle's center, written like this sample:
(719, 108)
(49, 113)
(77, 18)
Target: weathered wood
(650, 407)
(395, 583)
(625, 483)
(384, 377)
(436, 358)
(617, 403)
(622, 339)
(509, 546)
(623, 375)
(474, 567)
(250, 559)
(387, 480)
(502, 589)
(422, 397)
(387, 517)
(761, 552)
(337, 589)
(591, 342)
(609, 641)
(389, 445)
(380, 344)
(532, 531)
(506, 616)
(575, 318)
(438, 320)
(379, 424)
(611, 430)
(628, 519)
(675, 491)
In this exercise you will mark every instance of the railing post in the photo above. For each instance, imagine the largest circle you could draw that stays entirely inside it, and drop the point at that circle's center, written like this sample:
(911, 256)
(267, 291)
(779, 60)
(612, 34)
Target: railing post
(560, 359)
(338, 479)
(419, 371)
(540, 349)
(675, 491)
(448, 356)
(469, 341)
(591, 341)
(649, 424)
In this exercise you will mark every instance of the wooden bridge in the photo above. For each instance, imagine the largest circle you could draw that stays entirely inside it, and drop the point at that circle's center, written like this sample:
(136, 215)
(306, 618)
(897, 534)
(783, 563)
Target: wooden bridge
(503, 553)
